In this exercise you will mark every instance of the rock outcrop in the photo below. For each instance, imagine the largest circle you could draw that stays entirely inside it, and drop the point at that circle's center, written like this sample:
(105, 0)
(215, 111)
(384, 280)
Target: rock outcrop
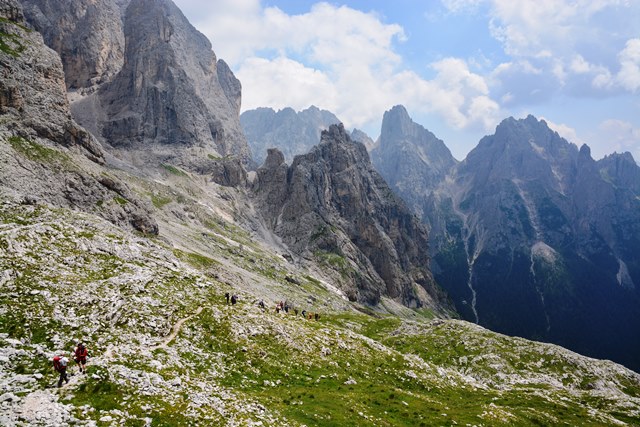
(33, 98)
(145, 81)
(289, 131)
(43, 151)
(331, 205)
(363, 138)
(87, 34)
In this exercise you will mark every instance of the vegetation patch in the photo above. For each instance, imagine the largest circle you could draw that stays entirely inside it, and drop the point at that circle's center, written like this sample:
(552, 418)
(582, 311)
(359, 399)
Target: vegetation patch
(159, 201)
(37, 152)
(174, 170)
(10, 42)
(196, 260)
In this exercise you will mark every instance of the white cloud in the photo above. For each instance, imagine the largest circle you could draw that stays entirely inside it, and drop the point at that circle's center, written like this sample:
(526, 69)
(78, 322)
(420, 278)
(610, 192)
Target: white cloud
(284, 83)
(588, 47)
(567, 132)
(629, 74)
(340, 59)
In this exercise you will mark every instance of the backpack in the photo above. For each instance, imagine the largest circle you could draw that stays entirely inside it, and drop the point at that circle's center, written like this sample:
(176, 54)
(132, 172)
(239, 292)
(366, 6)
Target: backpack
(59, 364)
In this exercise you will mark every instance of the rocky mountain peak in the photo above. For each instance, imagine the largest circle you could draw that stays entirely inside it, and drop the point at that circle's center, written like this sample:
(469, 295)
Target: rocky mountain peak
(622, 170)
(362, 137)
(411, 158)
(396, 121)
(332, 206)
(291, 132)
(145, 81)
(274, 158)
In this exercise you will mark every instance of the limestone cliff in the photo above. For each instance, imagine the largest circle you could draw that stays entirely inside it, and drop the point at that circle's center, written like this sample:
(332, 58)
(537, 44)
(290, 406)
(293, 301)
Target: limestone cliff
(43, 151)
(87, 34)
(144, 81)
(332, 206)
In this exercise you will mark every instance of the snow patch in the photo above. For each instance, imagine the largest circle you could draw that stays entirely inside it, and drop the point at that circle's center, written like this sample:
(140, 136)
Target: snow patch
(538, 149)
(334, 289)
(623, 276)
(544, 251)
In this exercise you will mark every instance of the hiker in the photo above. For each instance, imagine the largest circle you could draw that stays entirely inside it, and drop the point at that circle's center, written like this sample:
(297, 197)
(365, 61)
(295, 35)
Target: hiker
(261, 304)
(295, 310)
(226, 295)
(234, 299)
(317, 316)
(60, 365)
(304, 314)
(80, 356)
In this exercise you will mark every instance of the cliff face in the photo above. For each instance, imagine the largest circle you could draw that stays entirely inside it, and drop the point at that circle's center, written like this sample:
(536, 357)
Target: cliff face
(32, 92)
(88, 35)
(331, 205)
(43, 150)
(144, 81)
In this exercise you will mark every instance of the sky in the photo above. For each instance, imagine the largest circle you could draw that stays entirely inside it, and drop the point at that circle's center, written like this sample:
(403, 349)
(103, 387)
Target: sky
(459, 66)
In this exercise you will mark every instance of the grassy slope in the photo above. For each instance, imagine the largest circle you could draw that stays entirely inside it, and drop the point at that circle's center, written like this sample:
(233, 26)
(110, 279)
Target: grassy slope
(69, 275)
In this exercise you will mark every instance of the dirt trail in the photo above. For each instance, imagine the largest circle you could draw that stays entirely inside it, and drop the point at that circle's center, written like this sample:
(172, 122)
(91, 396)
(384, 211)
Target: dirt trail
(175, 330)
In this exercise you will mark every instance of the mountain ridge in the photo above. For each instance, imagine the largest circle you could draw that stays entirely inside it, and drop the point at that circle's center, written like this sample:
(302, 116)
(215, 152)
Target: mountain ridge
(517, 225)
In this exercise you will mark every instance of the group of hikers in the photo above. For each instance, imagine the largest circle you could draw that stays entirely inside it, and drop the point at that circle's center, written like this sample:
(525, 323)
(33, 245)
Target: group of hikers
(79, 355)
(281, 306)
(284, 307)
(233, 298)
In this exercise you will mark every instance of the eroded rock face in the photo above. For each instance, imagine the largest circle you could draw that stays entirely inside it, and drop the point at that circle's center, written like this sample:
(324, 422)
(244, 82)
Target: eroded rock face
(33, 97)
(43, 151)
(87, 34)
(168, 91)
(411, 159)
(332, 205)
(144, 81)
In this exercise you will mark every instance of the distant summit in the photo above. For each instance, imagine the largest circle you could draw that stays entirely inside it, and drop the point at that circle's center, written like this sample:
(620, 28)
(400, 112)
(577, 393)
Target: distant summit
(410, 158)
(289, 131)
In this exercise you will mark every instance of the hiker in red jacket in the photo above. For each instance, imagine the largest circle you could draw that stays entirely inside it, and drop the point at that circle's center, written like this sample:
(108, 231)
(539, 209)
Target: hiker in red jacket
(60, 365)
(80, 356)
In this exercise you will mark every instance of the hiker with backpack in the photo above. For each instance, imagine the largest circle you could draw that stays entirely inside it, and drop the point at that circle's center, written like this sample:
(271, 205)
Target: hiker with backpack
(234, 299)
(80, 356)
(60, 365)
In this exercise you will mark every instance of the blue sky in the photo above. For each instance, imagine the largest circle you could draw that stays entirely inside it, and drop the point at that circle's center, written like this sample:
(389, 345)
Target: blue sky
(458, 66)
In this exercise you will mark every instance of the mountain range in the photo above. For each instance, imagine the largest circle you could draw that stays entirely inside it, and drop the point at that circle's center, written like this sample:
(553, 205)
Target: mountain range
(530, 236)
(130, 205)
